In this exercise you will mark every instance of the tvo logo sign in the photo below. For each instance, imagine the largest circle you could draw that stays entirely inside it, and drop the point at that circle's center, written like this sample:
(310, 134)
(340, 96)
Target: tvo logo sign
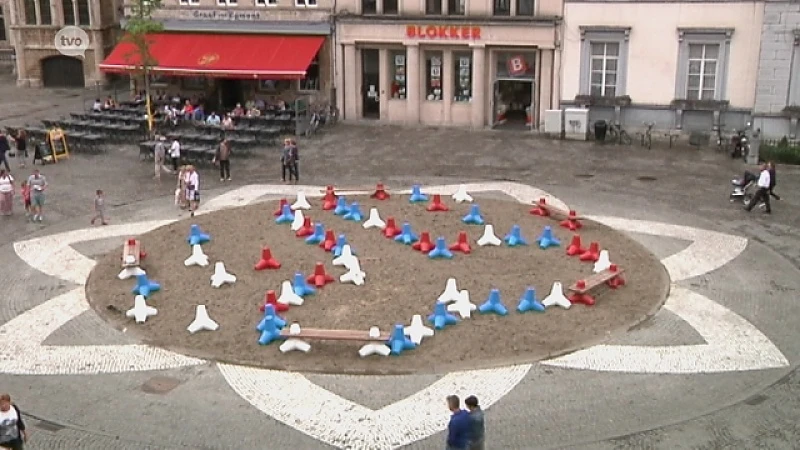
(72, 41)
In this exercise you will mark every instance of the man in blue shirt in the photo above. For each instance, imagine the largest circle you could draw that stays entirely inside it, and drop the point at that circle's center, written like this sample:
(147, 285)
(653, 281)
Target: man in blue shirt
(459, 427)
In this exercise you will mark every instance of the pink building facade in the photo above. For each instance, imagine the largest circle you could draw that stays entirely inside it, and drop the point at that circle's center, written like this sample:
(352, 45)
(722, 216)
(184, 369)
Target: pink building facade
(487, 63)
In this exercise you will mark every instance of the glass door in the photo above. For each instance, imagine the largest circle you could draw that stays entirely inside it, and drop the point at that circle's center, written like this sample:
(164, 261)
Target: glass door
(370, 83)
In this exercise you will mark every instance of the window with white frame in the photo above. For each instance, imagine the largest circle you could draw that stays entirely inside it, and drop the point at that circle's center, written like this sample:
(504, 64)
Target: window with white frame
(604, 61)
(38, 12)
(703, 64)
(306, 3)
(603, 69)
(701, 83)
(227, 2)
(266, 2)
(189, 2)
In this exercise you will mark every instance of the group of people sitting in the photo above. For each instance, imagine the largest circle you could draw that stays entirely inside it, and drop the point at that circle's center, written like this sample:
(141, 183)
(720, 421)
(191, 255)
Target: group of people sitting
(106, 105)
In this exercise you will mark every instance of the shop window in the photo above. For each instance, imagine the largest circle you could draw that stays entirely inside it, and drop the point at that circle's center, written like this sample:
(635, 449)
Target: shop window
(525, 7)
(274, 85)
(193, 83)
(398, 60)
(45, 14)
(266, 2)
(433, 76)
(462, 72)
(159, 81)
(311, 81)
(456, 7)
(433, 7)
(391, 7)
(502, 7)
(369, 6)
(227, 2)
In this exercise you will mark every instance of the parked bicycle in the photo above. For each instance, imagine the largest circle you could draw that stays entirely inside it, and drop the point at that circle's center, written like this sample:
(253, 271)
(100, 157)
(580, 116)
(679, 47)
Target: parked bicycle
(618, 135)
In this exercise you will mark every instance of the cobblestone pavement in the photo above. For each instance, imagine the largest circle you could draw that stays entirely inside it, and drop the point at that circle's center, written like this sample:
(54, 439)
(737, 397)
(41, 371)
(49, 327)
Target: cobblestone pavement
(551, 407)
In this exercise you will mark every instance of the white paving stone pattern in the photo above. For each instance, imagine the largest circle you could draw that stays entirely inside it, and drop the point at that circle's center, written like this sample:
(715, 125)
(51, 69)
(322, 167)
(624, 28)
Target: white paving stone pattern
(732, 343)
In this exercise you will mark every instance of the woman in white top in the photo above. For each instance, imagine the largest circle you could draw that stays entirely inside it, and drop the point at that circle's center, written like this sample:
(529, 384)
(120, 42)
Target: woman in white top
(6, 193)
(192, 183)
(175, 154)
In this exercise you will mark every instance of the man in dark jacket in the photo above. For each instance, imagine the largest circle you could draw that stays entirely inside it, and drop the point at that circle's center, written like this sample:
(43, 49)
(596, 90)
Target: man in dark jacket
(477, 429)
(5, 147)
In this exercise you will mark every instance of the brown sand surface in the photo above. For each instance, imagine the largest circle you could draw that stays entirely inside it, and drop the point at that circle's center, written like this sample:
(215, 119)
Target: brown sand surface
(400, 283)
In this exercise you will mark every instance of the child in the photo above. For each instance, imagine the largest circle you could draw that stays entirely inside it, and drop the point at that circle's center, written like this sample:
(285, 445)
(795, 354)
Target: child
(99, 208)
(25, 190)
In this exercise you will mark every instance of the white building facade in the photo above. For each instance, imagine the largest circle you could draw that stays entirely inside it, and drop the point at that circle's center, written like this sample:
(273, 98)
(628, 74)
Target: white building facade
(688, 66)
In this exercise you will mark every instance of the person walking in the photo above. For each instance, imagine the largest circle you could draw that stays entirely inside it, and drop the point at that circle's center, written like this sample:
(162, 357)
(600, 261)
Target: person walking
(773, 180)
(99, 207)
(295, 158)
(38, 185)
(477, 429)
(159, 156)
(6, 193)
(762, 194)
(13, 434)
(192, 183)
(458, 429)
(21, 142)
(222, 158)
(287, 162)
(4, 149)
(175, 154)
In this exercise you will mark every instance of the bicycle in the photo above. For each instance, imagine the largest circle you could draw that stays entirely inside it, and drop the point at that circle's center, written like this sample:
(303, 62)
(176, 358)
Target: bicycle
(618, 135)
(647, 135)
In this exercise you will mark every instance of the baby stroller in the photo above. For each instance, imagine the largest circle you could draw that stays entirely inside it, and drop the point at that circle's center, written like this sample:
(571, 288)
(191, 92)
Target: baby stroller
(743, 188)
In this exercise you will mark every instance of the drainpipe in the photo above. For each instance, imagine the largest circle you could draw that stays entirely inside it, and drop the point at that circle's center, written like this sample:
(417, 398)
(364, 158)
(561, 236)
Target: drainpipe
(332, 97)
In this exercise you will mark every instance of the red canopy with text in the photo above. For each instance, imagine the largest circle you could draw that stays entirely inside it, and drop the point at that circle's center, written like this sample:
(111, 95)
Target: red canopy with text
(268, 57)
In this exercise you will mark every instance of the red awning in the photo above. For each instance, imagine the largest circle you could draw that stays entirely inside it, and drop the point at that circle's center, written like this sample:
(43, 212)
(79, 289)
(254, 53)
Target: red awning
(248, 56)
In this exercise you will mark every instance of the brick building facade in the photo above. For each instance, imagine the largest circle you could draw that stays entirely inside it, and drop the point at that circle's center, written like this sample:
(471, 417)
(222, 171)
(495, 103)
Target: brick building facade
(33, 26)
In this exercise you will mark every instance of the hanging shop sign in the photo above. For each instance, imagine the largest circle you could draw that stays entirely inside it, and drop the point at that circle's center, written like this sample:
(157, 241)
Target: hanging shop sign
(443, 32)
(517, 65)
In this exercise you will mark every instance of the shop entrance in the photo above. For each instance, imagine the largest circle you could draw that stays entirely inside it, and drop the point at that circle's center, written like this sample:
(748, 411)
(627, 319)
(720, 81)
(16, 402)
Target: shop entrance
(513, 104)
(370, 82)
(229, 93)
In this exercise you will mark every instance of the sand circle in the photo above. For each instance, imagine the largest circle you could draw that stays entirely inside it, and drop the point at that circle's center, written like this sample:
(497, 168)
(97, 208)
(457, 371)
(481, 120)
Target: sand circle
(400, 282)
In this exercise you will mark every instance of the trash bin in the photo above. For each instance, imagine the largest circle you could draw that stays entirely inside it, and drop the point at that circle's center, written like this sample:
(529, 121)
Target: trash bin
(600, 129)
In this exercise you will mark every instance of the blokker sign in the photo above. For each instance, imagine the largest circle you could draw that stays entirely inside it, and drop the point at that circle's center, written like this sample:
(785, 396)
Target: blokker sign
(453, 32)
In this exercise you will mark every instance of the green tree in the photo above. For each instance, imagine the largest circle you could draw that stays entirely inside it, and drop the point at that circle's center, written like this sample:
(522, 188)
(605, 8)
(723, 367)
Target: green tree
(138, 28)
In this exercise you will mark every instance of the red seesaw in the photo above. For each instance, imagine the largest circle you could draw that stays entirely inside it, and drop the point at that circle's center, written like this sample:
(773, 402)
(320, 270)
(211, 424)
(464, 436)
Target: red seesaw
(571, 218)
